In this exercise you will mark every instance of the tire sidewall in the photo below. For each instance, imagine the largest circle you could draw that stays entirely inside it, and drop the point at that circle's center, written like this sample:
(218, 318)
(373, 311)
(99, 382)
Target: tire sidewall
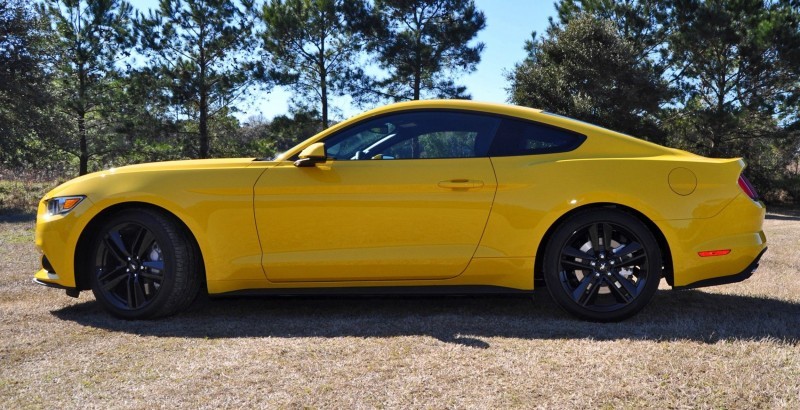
(170, 254)
(552, 268)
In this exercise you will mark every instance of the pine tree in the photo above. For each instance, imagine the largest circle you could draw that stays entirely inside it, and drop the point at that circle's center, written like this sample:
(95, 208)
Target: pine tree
(588, 71)
(205, 51)
(424, 44)
(314, 47)
(92, 37)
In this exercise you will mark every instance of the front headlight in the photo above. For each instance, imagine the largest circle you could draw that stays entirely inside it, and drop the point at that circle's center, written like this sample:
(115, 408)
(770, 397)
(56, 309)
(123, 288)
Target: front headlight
(64, 204)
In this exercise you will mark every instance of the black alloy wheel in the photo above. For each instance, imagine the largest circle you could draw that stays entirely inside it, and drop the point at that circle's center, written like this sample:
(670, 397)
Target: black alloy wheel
(603, 265)
(143, 265)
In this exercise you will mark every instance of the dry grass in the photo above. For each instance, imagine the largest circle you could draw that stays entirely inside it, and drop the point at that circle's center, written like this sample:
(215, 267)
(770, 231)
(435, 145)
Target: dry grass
(20, 192)
(733, 346)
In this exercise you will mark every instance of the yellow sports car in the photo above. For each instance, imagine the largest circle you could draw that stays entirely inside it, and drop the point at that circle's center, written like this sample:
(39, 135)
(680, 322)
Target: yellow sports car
(434, 196)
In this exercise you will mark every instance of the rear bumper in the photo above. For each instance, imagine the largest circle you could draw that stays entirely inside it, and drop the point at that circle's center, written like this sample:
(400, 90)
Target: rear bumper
(737, 229)
(724, 280)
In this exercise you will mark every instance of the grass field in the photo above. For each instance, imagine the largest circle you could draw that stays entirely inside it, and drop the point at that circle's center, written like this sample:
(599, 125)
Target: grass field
(733, 346)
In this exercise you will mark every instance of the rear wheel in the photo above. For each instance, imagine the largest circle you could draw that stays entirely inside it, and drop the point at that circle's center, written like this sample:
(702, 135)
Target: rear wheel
(143, 265)
(602, 265)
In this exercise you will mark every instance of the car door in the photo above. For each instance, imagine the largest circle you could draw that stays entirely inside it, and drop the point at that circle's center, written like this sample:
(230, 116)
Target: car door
(401, 197)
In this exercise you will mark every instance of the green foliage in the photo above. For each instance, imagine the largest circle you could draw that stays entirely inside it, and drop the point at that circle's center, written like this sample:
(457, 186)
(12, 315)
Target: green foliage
(20, 192)
(314, 46)
(202, 51)
(91, 37)
(285, 132)
(28, 119)
(739, 85)
(424, 44)
(450, 144)
(718, 78)
(143, 122)
(641, 22)
(588, 71)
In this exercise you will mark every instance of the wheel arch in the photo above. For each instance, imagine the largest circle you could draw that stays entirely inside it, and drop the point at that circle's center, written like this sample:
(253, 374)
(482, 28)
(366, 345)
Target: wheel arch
(668, 272)
(84, 244)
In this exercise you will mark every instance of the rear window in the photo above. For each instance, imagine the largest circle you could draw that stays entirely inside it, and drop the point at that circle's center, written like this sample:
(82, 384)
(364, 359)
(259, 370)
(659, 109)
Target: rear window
(518, 137)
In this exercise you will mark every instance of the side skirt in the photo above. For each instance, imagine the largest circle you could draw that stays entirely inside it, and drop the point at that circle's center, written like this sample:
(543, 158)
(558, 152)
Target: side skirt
(378, 290)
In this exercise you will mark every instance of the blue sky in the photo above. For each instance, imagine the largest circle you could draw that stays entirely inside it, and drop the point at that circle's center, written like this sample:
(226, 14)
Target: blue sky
(508, 24)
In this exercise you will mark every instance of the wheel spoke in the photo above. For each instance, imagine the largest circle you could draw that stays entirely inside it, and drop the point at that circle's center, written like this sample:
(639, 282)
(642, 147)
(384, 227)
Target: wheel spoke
(607, 237)
(142, 243)
(111, 284)
(630, 287)
(156, 277)
(631, 261)
(575, 253)
(138, 292)
(117, 245)
(591, 292)
(621, 295)
(104, 276)
(154, 264)
(628, 249)
(586, 289)
(576, 264)
(129, 294)
(594, 237)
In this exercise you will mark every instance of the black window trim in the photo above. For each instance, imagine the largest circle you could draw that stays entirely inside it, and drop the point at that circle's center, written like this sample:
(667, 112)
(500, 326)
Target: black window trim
(581, 138)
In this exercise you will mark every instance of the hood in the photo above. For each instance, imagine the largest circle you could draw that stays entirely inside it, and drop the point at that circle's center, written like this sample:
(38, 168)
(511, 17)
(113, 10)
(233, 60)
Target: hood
(87, 183)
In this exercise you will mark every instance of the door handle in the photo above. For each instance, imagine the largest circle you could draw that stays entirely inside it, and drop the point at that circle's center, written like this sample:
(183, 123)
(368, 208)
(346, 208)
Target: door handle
(460, 184)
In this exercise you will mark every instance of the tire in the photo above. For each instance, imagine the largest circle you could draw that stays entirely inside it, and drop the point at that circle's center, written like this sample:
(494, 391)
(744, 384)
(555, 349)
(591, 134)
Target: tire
(143, 265)
(602, 265)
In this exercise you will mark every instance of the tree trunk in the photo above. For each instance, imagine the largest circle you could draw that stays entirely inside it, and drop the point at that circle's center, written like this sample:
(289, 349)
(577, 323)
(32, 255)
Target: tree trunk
(417, 79)
(203, 124)
(324, 91)
(84, 155)
(417, 82)
(84, 146)
(204, 146)
(323, 82)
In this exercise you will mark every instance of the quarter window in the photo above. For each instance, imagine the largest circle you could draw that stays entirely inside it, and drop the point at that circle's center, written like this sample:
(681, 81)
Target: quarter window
(516, 137)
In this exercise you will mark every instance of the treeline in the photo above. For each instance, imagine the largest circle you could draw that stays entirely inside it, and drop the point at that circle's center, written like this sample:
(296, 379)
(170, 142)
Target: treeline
(90, 84)
(95, 83)
(719, 78)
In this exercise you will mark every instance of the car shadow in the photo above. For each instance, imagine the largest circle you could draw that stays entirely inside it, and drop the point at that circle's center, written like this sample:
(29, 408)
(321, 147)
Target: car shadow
(782, 217)
(16, 216)
(465, 320)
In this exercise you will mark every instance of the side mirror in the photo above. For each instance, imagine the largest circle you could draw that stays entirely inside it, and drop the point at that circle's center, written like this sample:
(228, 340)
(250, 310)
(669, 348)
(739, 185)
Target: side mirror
(311, 155)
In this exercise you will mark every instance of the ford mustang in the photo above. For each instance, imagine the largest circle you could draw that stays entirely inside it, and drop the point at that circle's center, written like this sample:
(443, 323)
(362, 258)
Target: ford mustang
(426, 196)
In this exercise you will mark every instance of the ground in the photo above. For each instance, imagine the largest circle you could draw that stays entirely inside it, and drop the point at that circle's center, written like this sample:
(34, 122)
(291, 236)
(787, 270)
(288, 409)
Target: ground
(733, 346)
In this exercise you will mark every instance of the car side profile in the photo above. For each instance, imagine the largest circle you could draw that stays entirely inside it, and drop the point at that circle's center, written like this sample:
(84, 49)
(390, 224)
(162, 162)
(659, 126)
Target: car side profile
(434, 196)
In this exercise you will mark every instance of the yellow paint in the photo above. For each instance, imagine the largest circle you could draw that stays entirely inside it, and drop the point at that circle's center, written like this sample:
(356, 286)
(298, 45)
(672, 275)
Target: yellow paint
(426, 222)
(372, 220)
(682, 181)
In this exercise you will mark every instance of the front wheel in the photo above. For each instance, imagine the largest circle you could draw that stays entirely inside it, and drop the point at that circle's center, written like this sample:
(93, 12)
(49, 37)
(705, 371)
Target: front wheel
(602, 265)
(143, 265)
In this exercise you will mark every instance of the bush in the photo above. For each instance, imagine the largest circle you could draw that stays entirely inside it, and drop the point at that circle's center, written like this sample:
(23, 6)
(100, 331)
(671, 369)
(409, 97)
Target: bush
(21, 191)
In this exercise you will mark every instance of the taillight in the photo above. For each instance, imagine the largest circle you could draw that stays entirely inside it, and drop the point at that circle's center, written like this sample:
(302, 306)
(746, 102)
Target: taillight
(747, 187)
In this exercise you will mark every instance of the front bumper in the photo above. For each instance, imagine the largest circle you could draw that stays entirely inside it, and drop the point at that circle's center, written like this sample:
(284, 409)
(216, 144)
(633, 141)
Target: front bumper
(73, 292)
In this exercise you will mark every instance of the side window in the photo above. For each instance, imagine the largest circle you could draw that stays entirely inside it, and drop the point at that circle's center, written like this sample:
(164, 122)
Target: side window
(415, 135)
(446, 144)
(517, 137)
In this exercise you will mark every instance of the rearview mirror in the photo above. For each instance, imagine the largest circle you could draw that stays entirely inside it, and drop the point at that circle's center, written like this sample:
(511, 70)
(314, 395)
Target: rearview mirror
(311, 155)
